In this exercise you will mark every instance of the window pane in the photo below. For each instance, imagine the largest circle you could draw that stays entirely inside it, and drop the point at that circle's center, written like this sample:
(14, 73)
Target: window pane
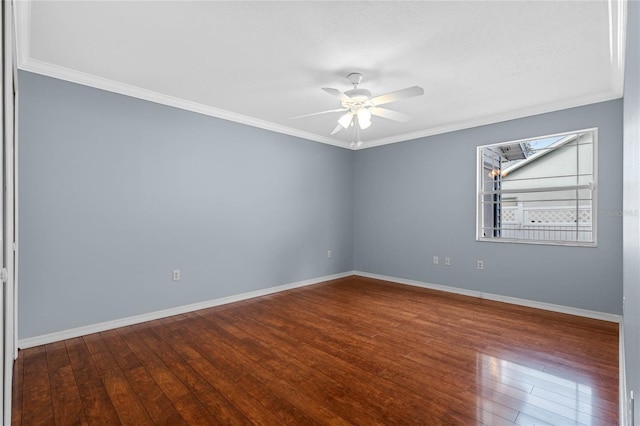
(539, 190)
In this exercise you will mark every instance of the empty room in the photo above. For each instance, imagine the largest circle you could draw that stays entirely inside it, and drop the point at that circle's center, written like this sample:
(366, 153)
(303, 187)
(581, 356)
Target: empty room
(310, 212)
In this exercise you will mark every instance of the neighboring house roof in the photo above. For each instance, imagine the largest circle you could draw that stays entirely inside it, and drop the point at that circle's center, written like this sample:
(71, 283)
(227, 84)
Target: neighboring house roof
(538, 154)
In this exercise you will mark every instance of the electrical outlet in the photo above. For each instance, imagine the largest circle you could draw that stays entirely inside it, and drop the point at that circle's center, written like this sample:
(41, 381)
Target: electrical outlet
(436, 260)
(480, 264)
(176, 275)
(447, 261)
(328, 253)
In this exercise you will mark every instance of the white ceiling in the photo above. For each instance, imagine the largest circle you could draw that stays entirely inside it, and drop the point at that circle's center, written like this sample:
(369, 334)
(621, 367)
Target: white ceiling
(262, 62)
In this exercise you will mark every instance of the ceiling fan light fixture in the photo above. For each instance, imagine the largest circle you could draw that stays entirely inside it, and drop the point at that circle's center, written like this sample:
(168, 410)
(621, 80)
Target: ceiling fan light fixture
(364, 124)
(364, 118)
(345, 120)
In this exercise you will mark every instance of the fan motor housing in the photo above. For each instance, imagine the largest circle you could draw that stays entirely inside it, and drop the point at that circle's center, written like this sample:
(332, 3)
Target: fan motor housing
(358, 95)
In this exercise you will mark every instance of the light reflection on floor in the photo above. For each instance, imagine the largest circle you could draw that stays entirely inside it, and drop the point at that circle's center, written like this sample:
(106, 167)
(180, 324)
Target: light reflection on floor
(525, 395)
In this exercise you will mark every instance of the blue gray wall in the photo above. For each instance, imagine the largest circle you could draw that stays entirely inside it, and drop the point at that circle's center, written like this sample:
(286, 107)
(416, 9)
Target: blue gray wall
(116, 192)
(416, 199)
(631, 242)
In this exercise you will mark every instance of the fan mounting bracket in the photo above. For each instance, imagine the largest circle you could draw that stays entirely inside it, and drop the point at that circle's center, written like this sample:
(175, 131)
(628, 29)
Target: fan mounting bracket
(355, 78)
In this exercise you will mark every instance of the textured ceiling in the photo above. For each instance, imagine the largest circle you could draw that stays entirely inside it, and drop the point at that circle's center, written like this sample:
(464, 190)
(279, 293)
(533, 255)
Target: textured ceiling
(263, 62)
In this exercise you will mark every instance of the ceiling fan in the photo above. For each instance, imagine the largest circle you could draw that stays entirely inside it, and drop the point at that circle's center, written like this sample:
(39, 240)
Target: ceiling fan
(359, 106)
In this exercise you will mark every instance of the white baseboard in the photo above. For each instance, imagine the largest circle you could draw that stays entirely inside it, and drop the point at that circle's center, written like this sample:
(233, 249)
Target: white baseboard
(136, 319)
(498, 298)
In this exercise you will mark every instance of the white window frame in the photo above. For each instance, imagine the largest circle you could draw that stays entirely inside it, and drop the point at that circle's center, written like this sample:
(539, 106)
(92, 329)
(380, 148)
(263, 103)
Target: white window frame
(594, 192)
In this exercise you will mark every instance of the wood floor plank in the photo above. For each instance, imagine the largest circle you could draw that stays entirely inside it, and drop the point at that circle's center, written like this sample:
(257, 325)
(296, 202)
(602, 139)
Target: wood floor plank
(185, 403)
(157, 404)
(97, 405)
(220, 410)
(362, 362)
(220, 376)
(67, 405)
(349, 351)
(16, 391)
(277, 370)
(128, 406)
(37, 405)
(160, 408)
(403, 408)
(122, 354)
(310, 381)
(229, 352)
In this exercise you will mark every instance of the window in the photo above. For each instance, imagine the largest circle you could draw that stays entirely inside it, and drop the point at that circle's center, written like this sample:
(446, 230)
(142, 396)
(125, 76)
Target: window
(540, 190)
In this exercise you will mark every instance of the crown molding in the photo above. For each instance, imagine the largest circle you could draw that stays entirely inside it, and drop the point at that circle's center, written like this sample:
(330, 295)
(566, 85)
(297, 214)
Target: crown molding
(617, 29)
(22, 18)
(22, 24)
(497, 118)
(47, 69)
(90, 80)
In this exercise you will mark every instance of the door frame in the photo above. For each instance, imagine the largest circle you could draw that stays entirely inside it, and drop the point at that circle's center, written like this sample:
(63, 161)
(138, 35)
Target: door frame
(8, 304)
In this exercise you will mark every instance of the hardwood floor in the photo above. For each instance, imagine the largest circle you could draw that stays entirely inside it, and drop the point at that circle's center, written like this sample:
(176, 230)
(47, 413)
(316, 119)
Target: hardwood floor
(350, 351)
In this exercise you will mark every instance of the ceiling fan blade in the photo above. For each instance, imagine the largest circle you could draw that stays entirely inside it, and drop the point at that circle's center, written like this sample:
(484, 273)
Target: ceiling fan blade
(391, 115)
(409, 92)
(337, 94)
(337, 129)
(318, 113)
